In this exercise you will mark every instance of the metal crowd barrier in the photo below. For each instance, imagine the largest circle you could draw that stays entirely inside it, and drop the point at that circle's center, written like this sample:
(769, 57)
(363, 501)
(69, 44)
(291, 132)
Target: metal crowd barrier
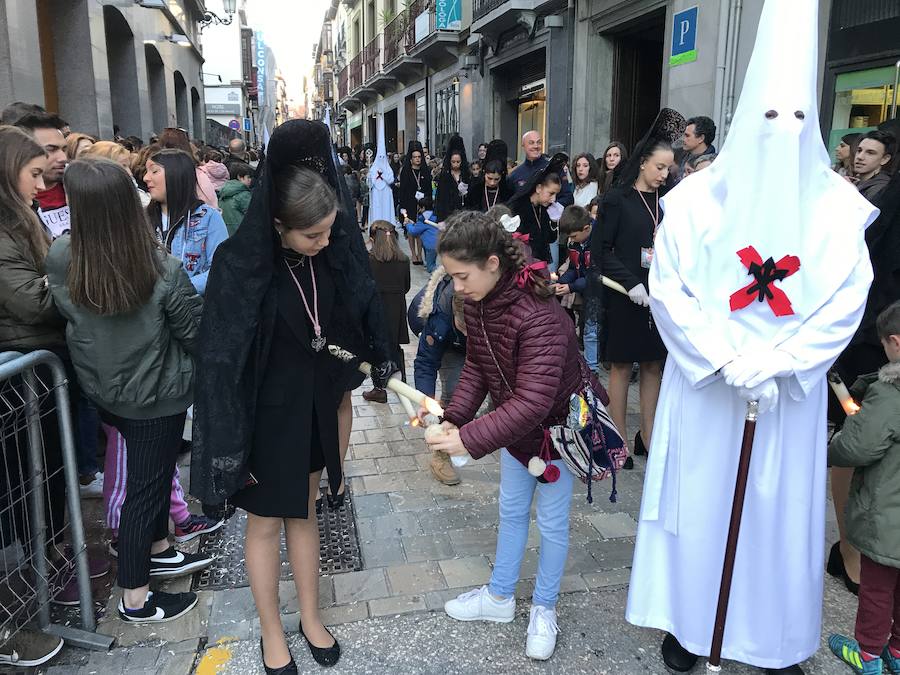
(38, 556)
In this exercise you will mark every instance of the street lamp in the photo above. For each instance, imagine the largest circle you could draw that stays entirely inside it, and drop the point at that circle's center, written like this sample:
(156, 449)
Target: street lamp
(209, 18)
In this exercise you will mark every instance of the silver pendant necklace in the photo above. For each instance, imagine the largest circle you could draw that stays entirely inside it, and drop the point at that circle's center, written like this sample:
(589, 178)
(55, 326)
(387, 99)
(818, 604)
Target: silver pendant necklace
(318, 342)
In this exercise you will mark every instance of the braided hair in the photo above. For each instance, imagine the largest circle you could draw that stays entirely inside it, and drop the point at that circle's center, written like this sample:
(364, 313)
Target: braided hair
(473, 237)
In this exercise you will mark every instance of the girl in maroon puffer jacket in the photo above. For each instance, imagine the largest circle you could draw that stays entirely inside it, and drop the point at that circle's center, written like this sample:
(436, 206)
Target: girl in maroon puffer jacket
(522, 351)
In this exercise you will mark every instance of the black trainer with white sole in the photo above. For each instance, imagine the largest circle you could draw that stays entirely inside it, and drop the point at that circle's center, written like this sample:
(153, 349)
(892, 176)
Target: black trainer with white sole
(159, 607)
(173, 563)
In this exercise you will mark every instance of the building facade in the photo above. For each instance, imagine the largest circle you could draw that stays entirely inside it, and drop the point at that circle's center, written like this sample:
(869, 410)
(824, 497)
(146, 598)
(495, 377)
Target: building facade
(483, 69)
(131, 65)
(692, 55)
(582, 72)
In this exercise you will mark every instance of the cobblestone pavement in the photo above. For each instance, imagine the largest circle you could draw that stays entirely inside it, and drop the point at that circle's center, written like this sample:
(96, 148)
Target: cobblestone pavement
(421, 543)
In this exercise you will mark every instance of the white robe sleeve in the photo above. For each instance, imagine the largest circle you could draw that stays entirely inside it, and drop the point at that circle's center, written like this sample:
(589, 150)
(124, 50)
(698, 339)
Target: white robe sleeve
(690, 335)
(828, 330)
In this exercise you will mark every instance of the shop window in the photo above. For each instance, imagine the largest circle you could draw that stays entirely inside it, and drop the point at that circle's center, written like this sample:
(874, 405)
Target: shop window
(446, 116)
(862, 101)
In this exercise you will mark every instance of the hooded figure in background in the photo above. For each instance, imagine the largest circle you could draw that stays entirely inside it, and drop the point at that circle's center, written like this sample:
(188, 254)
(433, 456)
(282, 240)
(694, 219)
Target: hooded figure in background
(380, 180)
(758, 281)
(484, 192)
(244, 302)
(453, 183)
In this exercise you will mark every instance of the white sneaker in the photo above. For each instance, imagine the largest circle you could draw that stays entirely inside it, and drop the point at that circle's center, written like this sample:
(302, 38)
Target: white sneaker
(94, 489)
(480, 605)
(542, 630)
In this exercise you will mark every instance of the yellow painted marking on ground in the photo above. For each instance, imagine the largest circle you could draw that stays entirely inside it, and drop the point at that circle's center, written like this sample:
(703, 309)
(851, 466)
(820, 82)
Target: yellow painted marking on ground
(215, 658)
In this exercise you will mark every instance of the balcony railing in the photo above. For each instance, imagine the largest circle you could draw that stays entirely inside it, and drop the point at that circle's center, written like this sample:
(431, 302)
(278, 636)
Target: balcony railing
(355, 81)
(342, 83)
(395, 35)
(482, 7)
(371, 58)
(416, 7)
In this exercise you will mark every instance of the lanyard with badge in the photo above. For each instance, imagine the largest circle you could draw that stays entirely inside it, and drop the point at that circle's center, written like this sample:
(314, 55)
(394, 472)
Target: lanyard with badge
(418, 176)
(647, 251)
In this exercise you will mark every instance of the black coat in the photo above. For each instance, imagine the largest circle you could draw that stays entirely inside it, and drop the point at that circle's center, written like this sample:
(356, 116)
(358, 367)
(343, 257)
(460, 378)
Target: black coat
(536, 223)
(477, 200)
(241, 308)
(447, 199)
(393, 282)
(408, 185)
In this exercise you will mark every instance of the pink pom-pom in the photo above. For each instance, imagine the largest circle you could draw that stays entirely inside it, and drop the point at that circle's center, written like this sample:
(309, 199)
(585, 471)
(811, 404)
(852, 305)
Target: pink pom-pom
(551, 473)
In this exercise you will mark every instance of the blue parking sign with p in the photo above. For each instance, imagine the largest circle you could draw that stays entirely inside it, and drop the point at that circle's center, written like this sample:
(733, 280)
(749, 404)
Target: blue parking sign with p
(684, 37)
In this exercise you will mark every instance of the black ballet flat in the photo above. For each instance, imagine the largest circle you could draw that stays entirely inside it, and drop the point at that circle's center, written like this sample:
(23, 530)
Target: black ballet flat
(640, 450)
(790, 670)
(324, 656)
(336, 501)
(629, 463)
(835, 566)
(851, 585)
(676, 657)
(289, 669)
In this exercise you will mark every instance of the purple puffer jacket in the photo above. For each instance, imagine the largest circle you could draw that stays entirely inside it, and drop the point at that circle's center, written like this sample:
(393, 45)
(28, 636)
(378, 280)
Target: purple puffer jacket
(535, 345)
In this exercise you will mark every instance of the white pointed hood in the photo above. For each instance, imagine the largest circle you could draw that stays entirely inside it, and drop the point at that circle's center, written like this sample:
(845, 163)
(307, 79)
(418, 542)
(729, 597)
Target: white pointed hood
(771, 188)
(381, 175)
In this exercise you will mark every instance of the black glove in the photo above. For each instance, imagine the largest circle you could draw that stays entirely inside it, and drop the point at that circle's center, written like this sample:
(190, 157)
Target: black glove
(382, 373)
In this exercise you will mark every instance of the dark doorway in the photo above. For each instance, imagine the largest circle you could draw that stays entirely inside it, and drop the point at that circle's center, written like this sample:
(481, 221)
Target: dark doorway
(120, 56)
(390, 131)
(356, 138)
(196, 113)
(637, 76)
(181, 102)
(372, 129)
(156, 80)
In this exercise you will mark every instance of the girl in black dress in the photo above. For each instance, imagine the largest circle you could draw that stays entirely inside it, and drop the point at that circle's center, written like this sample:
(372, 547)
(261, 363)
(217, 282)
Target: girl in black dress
(453, 181)
(413, 183)
(531, 202)
(624, 243)
(390, 269)
(294, 279)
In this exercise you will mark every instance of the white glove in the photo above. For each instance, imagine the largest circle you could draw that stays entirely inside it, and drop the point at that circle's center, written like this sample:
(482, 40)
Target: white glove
(765, 393)
(639, 296)
(555, 211)
(752, 369)
(463, 189)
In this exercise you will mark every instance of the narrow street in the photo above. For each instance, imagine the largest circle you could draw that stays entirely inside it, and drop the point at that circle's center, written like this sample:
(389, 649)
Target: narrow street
(421, 543)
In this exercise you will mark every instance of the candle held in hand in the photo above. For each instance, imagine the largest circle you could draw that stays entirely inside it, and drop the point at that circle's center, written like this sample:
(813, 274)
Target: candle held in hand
(436, 430)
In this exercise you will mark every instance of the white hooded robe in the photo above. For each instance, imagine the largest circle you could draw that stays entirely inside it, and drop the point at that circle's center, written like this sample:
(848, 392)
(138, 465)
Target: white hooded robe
(380, 180)
(771, 188)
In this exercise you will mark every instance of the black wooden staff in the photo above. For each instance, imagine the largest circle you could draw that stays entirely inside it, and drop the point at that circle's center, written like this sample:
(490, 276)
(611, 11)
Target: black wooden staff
(734, 530)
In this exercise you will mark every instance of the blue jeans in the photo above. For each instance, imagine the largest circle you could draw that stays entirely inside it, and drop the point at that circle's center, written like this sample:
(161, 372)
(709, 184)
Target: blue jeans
(516, 492)
(430, 259)
(554, 256)
(589, 337)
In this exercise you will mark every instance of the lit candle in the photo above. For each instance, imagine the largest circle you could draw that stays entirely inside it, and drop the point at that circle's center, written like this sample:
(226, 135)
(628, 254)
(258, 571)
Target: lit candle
(842, 393)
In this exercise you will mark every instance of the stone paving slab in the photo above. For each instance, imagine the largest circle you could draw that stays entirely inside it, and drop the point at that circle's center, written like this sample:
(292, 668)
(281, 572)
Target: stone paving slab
(594, 640)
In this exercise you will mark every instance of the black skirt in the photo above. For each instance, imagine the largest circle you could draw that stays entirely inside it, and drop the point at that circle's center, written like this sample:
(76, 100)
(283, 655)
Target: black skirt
(631, 336)
(295, 427)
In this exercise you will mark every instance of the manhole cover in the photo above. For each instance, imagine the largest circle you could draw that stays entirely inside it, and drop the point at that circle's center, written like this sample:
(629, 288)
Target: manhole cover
(338, 548)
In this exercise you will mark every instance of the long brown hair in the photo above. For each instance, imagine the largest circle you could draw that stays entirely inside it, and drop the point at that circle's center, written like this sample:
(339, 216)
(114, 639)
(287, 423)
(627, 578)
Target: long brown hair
(384, 243)
(473, 237)
(116, 260)
(16, 215)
